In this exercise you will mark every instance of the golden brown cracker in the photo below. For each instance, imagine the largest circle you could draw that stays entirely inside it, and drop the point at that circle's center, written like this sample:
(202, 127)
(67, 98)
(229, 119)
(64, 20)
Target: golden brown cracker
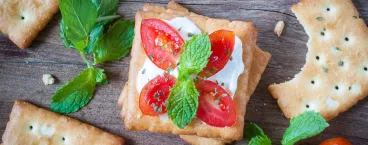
(31, 125)
(335, 75)
(22, 20)
(135, 120)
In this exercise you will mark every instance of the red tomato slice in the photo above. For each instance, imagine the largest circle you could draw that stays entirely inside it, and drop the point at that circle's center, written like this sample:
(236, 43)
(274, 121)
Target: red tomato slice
(336, 141)
(161, 42)
(154, 94)
(223, 42)
(216, 107)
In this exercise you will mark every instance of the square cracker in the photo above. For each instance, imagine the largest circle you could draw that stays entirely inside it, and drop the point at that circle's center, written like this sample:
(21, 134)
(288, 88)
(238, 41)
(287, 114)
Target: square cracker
(133, 117)
(22, 20)
(335, 76)
(31, 125)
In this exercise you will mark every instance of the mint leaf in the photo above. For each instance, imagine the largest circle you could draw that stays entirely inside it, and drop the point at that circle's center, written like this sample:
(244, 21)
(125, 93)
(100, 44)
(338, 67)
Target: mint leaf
(79, 16)
(95, 34)
(182, 103)
(65, 40)
(116, 43)
(255, 135)
(106, 7)
(101, 77)
(76, 93)
(194, 56)
(304, 126)
(260, 140)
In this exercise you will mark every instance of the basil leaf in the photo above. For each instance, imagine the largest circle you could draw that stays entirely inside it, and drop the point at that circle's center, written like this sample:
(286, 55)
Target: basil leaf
(95, 34)
(194, 56)
(304, 126)
(255, 135)
(79, 16)
(62, 33)
(76, 93)
(182, 103)
(116, 43)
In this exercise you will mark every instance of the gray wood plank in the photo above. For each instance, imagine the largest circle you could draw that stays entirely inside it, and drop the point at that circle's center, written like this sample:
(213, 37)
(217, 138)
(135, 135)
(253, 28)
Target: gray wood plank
(21, 72)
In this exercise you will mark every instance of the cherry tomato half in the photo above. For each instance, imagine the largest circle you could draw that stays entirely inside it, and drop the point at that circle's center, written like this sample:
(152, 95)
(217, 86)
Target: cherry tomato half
(161, 42)
(216, 107)
(223, 42)
(336, 141)
(154, 94)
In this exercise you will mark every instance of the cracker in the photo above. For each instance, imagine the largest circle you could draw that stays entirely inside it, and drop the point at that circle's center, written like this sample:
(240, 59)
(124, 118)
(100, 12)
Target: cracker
(30, 125)
(335, 75)
(259, 63)
(22, 20)
(135, 120)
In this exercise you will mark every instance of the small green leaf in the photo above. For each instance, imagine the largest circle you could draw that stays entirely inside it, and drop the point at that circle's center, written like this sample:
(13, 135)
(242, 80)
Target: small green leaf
(76, 93)
(106, 7)
(62, 33)
(182, 103)
(116, 43)
(325, 69)
(101, 78)
(304, 126)
(319, 18)
(96, 33)
(255, 135)
(259, 140)
(79, 16)
(194, 56)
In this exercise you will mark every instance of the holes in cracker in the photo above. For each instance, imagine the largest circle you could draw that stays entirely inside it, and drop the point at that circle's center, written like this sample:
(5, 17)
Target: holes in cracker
(346, 39)
(341, 63)
(365, 68)
(307, 106)
(22, 17)
(30, 127)
(328, 9)
(317, 57)
(322, 33)
(336, 87)
(313, 82)
(63, 138)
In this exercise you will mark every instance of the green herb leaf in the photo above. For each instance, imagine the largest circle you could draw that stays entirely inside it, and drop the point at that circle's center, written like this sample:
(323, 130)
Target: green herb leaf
(255, 135)
(194, 56)
(76, 93)
(304, 126)
(319, 18)
(116, 43)
(101, 78)
(259, 140)
(65, 40)
(96, 33)
(106, 7)
(182, 103)
(79, 16)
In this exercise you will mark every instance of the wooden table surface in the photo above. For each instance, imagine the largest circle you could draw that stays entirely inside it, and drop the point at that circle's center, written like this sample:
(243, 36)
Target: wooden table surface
(21, 72)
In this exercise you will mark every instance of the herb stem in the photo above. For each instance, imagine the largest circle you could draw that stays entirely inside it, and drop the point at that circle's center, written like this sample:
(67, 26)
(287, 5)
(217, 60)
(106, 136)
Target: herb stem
(85, 59)
(107, 18)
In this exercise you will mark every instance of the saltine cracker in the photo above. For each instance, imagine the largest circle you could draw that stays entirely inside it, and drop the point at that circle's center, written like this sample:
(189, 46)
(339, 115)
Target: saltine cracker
(135, 120)
(31, 125)
(22, 20)
(335, 76)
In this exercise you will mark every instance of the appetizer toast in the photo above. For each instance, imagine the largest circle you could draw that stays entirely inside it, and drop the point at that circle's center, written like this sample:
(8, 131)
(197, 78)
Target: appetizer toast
(131, 113)
(30, 125)
(335, 75)
(22, 20)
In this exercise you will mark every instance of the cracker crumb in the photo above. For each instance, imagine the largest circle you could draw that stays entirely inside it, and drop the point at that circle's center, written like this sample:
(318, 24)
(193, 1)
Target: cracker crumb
(279, 27)
(47, 79)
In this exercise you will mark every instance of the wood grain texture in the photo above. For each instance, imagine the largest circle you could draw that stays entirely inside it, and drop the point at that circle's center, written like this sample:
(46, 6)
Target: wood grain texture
(21, 72)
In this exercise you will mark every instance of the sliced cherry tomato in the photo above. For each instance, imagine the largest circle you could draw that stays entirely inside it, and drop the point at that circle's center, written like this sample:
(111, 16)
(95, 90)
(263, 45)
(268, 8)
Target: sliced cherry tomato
(223, 42)
(216, 107)
(336, 141)
(154, 94)
(161, 42)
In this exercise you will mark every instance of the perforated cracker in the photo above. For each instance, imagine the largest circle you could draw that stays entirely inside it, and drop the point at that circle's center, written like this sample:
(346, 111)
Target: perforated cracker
(335, 75)
(30, 125)
(22, 20)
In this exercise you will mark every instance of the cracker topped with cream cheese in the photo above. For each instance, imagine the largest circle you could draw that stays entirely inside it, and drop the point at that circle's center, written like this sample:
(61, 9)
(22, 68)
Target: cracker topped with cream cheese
(335, 76)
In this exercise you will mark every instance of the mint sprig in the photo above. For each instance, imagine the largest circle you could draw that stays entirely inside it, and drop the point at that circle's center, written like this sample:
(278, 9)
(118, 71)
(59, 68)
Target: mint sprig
(304, 126)
(255, 135)
(82, 27)
(182, 103)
